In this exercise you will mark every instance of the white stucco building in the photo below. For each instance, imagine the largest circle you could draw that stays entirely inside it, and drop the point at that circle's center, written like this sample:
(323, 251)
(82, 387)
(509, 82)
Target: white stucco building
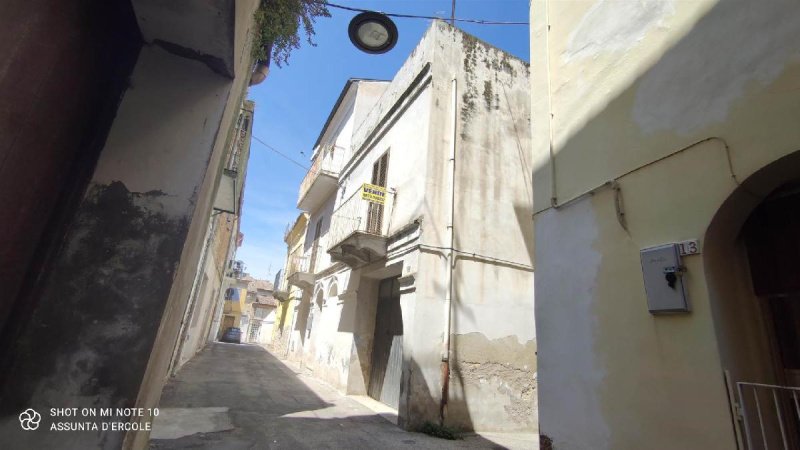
(425, 302)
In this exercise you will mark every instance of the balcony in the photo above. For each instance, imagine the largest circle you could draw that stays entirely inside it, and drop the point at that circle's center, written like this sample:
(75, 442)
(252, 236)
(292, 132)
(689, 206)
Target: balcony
(358, 230)
(299, 272)
(281, 290)
(321, 179)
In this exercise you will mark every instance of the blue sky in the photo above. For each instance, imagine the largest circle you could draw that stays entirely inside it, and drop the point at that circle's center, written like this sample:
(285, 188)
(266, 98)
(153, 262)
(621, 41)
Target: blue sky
(294, 101)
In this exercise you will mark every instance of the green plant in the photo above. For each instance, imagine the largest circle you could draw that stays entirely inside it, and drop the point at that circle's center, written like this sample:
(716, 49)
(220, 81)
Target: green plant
(277, 27)
(439, 431)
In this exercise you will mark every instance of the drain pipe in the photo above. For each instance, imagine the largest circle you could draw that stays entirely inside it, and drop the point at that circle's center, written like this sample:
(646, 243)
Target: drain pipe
(448, 299)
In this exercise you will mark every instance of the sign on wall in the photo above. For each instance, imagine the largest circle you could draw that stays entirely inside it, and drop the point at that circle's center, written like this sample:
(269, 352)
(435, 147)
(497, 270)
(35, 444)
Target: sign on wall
(690, 247)
(373, 193)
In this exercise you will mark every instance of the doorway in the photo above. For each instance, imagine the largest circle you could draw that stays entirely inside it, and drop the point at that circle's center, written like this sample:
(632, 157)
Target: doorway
(387, 345)
(772, 240)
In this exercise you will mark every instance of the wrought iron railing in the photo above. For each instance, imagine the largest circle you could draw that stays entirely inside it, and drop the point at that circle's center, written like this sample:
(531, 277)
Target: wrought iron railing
(359, 214)
(770, 415)
(329, 161)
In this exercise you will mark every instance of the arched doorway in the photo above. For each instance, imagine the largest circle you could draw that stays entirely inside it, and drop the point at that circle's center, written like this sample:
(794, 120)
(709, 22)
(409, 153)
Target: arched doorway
(752, 264)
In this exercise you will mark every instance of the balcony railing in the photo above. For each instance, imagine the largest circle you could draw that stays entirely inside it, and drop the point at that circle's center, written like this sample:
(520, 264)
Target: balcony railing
(299, 272)
(326, 165)
(298, 264)
(359, 214)
(770, 415)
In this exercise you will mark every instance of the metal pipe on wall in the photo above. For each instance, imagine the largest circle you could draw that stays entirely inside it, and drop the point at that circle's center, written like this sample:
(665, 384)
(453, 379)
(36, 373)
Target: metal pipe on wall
(448, 299)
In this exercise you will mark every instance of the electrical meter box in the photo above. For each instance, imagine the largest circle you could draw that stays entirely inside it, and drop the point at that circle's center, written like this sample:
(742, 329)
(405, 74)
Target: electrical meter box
(663, 279)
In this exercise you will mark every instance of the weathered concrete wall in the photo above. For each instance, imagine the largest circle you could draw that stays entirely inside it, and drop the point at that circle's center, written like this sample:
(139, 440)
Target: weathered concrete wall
(494, 349)
(493, 372)
(57, 101)
(129, 234)
(623, 85)
(329, 347)
(112, 304)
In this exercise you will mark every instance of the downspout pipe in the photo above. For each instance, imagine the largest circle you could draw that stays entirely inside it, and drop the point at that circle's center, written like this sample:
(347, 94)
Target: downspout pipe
(450, 233)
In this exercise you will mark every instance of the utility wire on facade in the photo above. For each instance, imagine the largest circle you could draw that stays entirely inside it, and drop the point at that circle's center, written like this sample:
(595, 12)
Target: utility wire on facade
(412, 16)
(280, 153)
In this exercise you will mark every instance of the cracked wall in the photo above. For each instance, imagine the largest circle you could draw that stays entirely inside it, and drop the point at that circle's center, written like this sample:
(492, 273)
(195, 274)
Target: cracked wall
(105, 325)
(502, 374)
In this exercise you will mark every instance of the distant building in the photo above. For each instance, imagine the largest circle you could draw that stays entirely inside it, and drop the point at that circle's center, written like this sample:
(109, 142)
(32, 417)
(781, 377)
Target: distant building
(288, 333)
(416, 268)
(260, 306)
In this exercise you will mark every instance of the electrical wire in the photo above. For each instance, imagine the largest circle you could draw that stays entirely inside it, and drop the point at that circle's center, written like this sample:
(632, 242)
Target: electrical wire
(279, 152)
(412, 16)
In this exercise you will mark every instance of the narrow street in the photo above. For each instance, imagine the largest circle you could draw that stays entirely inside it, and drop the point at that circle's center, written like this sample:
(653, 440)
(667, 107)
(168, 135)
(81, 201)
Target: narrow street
(242, 396)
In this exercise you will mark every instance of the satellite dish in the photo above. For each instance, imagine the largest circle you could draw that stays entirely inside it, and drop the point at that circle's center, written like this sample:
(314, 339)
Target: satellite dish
(372, 32)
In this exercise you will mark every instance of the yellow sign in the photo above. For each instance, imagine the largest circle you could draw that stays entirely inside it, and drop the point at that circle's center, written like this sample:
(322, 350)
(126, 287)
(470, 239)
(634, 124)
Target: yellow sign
(373, 193)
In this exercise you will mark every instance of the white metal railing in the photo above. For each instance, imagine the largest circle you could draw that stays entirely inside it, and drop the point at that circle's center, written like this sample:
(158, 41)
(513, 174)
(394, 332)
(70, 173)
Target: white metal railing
(770, 415)
(329, 160)
(298, 264)
(358, 214)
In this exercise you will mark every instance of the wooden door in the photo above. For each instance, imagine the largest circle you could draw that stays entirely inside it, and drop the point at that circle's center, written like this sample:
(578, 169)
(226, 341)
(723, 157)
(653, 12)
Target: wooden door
(387, 346)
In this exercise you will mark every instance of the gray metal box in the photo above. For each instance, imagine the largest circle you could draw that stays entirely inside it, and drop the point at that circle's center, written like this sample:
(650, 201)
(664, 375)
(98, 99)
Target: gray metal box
(663, 279)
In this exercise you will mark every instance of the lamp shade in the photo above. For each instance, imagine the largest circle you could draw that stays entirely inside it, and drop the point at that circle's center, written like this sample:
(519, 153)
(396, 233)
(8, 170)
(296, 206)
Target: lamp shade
(372, 32)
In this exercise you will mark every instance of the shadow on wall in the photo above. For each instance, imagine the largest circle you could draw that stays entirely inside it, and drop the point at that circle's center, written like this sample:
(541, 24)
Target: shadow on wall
(695, 85)
(303, 313)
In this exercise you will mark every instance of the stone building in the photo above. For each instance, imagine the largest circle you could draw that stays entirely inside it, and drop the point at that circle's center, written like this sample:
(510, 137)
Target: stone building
(665, 179)
(416, 266)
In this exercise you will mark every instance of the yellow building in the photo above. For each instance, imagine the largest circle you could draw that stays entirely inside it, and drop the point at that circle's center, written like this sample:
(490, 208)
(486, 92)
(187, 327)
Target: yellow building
(290, 296)
(666, 175)
(235, 297)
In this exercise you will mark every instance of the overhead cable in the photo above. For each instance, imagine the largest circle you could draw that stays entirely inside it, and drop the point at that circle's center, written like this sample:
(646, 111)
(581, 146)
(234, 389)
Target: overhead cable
(279, 152)
(412, 16)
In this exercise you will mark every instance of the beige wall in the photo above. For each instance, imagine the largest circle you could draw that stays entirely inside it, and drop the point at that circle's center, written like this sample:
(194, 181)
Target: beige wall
(620, 90)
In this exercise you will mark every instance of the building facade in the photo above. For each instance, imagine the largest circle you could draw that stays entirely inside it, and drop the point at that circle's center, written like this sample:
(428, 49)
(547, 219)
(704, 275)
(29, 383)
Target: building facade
(287, 332)
(114, 135)
(665, 179)
(416, 267)
(217, 269)
(260, 308)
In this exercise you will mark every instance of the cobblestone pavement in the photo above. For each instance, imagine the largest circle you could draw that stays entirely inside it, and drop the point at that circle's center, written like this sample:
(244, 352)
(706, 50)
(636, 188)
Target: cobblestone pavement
(243, 397)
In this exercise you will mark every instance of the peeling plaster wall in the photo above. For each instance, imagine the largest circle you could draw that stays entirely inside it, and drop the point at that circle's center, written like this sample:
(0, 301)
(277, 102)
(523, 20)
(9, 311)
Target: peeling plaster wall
(675, 73)
(111, 307)
(494, 370)
(570, 375)
(493, 367)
